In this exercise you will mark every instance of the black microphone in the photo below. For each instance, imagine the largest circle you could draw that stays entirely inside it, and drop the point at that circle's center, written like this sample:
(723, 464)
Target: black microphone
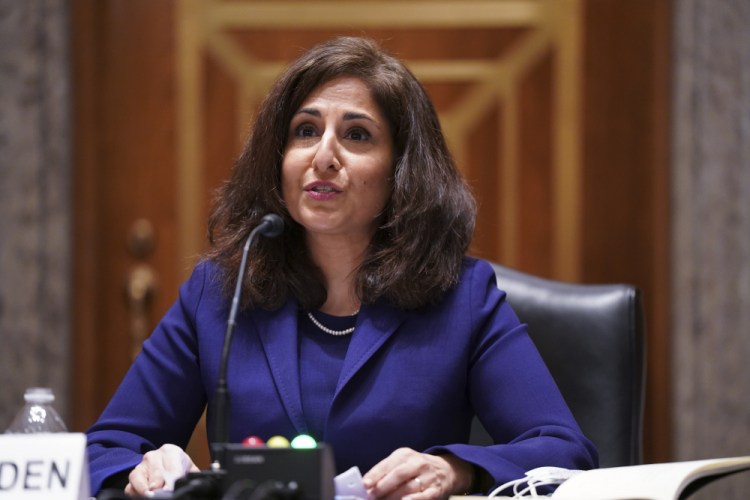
(270, 226)
(270, 473)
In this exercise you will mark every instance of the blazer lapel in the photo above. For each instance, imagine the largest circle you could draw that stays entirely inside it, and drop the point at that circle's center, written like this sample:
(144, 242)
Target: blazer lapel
(278, 333)
(279, 337)
(375, 325)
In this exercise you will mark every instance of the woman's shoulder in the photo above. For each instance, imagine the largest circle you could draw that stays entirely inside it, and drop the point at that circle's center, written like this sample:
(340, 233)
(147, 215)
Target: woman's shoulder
(204, 270)
(476, 280)
(476, 268)
(206, 275)
(206, 267)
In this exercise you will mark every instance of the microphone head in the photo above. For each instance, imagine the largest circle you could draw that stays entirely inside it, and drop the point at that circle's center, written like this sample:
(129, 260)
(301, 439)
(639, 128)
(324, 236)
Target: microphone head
(271, 225)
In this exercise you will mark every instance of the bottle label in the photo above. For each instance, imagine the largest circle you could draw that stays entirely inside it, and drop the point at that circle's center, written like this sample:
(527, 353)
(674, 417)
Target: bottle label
(43, 466)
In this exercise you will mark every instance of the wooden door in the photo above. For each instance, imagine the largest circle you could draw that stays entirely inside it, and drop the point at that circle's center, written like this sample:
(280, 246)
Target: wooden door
(166, 91)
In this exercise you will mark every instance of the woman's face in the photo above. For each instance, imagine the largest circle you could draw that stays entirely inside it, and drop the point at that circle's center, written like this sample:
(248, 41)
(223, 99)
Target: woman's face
(338, 161)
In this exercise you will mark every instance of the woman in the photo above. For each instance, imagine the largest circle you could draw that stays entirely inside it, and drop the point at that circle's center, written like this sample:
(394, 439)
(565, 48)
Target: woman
(363, 325)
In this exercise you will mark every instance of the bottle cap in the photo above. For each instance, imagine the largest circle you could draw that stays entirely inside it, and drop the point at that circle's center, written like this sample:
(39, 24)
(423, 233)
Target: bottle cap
(39, 395)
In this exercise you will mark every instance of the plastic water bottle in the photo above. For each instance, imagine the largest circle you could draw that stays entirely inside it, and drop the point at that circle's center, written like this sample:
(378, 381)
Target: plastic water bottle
(37, 414)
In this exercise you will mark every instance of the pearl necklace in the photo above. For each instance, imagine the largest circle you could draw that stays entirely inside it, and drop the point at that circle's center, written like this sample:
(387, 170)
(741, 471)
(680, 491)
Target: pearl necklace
(329, 331)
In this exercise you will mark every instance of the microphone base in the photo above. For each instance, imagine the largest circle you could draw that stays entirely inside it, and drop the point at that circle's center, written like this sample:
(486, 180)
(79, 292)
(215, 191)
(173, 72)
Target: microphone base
(202, 485)
(267, 473)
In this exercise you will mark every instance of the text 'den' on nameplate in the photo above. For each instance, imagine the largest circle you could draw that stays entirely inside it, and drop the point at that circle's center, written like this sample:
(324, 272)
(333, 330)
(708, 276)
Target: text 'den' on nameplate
(43, 466)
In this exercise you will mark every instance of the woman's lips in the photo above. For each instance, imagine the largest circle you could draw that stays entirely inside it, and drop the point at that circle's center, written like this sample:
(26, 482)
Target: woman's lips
(322, 191)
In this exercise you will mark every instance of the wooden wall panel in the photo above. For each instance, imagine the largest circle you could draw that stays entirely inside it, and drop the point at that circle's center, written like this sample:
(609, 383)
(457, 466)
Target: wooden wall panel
(478, 60)
(124, 157)
(626, 177)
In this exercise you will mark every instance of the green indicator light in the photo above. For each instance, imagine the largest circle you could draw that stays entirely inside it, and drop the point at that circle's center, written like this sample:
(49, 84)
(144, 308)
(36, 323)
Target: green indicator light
(303, 442)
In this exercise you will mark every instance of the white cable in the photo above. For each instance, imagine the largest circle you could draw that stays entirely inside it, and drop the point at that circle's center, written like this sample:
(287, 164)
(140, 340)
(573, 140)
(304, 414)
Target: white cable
(505, 486)
(541, 476)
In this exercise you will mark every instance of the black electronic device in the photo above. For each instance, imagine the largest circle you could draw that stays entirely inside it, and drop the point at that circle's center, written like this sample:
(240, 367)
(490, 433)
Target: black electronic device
(265, 473)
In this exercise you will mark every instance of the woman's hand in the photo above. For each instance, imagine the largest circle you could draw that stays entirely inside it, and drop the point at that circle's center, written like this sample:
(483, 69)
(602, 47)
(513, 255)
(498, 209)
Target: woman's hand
(406, 473)
(158, 468)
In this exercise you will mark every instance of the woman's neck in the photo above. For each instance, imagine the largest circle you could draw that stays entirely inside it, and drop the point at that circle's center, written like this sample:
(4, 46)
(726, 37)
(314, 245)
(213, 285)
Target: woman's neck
(338, 260)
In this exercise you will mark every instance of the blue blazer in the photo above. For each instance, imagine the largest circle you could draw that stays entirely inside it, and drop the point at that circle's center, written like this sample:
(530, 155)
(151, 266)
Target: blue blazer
(410, 378)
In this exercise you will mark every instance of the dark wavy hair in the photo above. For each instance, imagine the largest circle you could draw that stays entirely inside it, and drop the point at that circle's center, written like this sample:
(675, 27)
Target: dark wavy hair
(416, 252)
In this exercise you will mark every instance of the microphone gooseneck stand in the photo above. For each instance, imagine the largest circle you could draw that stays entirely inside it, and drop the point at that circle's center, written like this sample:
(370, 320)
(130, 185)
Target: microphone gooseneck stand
(271, 226)
(210, 484)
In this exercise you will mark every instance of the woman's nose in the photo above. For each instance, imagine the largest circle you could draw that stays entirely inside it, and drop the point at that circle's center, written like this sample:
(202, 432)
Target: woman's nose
(327, 154)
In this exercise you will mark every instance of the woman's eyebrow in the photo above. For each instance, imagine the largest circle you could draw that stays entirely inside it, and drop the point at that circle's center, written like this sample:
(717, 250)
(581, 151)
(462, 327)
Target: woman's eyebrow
(348, 116)
(353, 115)
(308, 111)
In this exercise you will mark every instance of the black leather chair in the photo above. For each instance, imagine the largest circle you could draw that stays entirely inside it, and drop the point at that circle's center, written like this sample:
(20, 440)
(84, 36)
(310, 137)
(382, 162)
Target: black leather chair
(592, 339)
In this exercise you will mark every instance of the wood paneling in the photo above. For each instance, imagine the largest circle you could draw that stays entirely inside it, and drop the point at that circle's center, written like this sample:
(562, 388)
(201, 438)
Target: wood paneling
(124, 171)
(626, 177)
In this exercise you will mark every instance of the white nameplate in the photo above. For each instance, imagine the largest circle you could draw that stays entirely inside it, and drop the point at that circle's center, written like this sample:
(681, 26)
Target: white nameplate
(43, 466)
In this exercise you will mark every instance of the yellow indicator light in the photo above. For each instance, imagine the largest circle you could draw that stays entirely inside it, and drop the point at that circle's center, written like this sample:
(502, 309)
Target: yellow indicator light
(277, 442)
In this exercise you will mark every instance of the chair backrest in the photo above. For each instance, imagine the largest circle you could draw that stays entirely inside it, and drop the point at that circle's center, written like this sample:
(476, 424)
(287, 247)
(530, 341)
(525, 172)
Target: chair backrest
(592, 339)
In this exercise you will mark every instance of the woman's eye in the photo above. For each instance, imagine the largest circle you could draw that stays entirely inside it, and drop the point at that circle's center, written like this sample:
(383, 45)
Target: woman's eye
(358, 134)
(304, 130)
